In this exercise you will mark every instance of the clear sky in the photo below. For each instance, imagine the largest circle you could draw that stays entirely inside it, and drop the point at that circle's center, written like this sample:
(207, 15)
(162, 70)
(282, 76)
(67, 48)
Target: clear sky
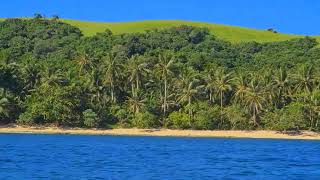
(287, 16)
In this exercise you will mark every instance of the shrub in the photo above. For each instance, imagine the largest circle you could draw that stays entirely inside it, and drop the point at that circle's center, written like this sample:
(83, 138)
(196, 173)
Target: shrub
(237, 118)
(121, 115)
(203, 120)
(290, 117)
(207, 116)
(145, 120)
(179, 120)
(293, 117)
(90, 118)
(51, 105)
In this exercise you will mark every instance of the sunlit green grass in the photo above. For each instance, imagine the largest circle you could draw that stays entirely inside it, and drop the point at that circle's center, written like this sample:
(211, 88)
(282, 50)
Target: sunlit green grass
(230, 33)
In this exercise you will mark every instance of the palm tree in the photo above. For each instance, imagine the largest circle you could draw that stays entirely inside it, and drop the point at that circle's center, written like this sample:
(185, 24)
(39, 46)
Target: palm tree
(3, 104)
(135, 68)
(113, 69)
(189, 85)
(9, 76)
(254, 100)
(241, 83)
(164, 71)
(52, 77)
(265, 79)
(314, 108)
(96, 90)
(31, 77)
(305, 79)
(84, 62)
(223, 84)
(210, 84)
(281, 87)
(136, 103)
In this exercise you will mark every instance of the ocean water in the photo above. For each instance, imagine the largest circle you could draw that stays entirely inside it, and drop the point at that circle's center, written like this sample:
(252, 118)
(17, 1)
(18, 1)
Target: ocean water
(124, 157)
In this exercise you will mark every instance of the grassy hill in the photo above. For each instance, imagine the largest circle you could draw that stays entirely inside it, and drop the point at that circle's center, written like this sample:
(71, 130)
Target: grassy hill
(231, 33)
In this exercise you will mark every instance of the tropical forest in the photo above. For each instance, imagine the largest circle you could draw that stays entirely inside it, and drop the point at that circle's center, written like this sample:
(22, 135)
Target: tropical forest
(180, 77)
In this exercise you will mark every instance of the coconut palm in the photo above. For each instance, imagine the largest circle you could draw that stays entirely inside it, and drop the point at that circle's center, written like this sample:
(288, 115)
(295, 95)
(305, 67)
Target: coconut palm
(164, 71)
(305, 79)
(313, 106)
(189, 87)
(112, 72)
(31, 76)
(255, 100)
(136, 103)
(9, 76)
(281, 87)
(241, 84)
(210, 84)
(223, 85)
(53, 77)
(84, 62)
(98, 98)
(136, 70)
(3, 106)
(265, 79)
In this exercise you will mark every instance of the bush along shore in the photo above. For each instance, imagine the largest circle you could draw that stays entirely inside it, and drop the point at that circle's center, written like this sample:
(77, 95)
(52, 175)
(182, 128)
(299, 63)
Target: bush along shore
(180, 78)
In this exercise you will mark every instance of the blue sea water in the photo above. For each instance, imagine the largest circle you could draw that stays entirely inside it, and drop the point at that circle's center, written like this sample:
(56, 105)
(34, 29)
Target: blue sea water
(124, 157)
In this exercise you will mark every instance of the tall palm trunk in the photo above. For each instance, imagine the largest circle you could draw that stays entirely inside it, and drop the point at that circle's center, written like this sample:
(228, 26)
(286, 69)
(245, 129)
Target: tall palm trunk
(137, 84)
(211, 99)
(132, 90)
(112, 92)
(190, 110)
(189, 104)
(165, 97)
(254, 116)
(221, 104)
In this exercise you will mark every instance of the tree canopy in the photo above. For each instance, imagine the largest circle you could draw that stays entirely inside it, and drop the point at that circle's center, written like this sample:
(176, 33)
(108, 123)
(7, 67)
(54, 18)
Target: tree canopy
(180, 77)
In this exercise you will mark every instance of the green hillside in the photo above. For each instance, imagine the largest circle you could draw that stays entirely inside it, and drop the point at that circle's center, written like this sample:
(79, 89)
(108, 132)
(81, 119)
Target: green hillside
(230, 33)
(173, 78)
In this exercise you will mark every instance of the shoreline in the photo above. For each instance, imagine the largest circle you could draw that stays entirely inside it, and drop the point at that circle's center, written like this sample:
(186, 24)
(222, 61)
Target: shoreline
(256, 134)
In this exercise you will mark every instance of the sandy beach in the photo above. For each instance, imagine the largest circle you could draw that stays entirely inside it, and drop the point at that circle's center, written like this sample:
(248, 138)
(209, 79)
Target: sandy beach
(307, 135)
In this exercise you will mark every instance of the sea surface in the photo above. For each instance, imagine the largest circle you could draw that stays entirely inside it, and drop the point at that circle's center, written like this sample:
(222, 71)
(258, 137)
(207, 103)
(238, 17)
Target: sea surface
(127, 157)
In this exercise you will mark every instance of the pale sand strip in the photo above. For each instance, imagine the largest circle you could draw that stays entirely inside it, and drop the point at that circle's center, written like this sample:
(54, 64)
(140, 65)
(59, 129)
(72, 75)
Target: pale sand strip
(308, 135)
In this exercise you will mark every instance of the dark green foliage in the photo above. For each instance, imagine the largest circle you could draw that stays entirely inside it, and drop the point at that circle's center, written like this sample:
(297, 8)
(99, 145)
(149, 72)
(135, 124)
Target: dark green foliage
(205, 120)
(237, 118)
(181, 77)
(51, 104)
(121, 115)
(179, 120)
(145, 120)
(90, 118)
(9, 107)
(291, 117)
(207, 117)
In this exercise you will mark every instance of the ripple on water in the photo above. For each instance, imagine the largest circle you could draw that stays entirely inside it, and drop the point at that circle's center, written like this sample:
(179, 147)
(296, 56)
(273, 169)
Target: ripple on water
(120, 157)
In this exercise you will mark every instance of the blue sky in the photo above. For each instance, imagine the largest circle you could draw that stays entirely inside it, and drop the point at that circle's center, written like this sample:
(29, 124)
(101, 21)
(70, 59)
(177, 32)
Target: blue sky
(287, 16)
